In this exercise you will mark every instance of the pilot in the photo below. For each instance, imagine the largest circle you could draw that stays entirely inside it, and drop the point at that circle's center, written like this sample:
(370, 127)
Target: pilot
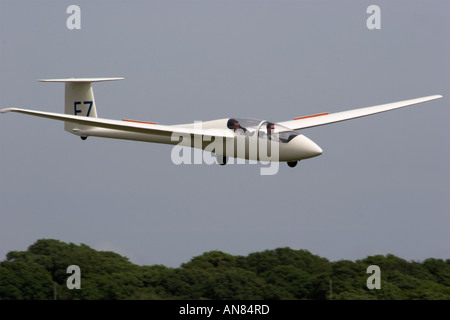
(271, 135)
(234, 125)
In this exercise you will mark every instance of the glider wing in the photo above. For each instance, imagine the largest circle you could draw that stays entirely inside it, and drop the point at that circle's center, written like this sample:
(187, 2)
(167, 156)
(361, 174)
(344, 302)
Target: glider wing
(325, 118)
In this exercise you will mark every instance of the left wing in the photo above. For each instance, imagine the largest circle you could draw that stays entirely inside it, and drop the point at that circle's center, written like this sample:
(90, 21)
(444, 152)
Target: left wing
(123, 125)
(325, 118)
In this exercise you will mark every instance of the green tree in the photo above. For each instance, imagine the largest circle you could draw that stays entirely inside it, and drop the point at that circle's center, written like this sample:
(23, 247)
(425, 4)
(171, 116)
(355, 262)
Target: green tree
(24, 279)
(283, 273)
(236, 284)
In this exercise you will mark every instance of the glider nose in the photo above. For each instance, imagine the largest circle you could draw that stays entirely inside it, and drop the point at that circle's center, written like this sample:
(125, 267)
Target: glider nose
(308, 148)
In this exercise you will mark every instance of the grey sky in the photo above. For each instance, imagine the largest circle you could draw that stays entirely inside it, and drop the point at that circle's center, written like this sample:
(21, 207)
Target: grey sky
(381, 186)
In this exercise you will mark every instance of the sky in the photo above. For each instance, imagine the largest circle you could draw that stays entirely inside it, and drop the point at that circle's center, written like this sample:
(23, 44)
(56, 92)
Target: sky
(381, 186)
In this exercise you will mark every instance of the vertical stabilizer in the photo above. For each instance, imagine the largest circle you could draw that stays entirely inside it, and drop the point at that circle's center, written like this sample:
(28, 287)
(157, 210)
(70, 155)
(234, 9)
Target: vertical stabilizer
(79, 100)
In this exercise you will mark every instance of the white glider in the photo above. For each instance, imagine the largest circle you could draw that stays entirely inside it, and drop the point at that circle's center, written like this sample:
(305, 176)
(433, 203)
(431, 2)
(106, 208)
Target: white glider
(230, 137)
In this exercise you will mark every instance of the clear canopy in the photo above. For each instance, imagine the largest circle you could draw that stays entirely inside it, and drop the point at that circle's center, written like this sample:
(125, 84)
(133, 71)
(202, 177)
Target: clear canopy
(264, 129)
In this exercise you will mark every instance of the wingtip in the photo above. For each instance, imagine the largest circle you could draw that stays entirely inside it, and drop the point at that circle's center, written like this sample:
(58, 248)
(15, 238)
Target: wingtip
(433, 97)
(9, 110)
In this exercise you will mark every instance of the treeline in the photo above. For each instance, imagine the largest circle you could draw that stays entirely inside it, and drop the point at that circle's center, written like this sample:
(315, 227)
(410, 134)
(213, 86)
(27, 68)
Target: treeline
(41, 273)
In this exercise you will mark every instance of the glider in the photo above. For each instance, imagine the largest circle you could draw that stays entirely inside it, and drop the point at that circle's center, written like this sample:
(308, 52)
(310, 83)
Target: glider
(250, 139)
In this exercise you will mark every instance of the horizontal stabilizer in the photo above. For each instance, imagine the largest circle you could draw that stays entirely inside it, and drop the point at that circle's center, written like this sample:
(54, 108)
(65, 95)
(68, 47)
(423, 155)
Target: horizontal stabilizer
(80, 80)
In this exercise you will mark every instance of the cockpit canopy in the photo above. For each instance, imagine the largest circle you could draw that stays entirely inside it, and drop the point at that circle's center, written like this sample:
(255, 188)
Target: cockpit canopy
(263, 129)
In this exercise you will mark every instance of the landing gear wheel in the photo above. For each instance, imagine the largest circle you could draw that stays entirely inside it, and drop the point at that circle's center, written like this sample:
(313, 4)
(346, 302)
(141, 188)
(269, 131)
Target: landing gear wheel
(292, 163)
(222, 160)
(83, 138)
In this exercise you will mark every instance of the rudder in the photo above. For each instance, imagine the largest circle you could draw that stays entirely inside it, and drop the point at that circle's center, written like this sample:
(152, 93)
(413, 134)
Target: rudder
(79, 100)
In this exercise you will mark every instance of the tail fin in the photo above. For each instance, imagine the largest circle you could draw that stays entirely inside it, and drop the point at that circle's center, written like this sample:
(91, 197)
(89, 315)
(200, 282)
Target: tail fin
(79, 99)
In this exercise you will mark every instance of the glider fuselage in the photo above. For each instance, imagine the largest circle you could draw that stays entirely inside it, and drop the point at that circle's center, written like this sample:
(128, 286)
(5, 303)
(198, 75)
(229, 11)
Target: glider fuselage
(253, 144)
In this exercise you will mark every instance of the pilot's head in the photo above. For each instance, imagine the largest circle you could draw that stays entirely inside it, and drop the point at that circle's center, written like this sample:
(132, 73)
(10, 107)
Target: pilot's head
(270, 127)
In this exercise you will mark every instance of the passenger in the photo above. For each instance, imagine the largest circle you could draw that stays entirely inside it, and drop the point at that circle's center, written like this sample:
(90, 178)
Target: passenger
(234, 125)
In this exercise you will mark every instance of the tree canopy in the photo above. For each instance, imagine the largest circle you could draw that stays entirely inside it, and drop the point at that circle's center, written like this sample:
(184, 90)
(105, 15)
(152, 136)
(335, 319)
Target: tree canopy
(40, 273)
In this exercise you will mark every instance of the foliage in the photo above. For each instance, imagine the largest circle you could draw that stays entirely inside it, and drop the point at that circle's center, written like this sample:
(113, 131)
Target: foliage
(40, 273)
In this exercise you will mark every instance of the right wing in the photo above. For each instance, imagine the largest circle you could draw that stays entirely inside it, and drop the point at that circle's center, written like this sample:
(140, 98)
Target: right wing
(325, 118)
